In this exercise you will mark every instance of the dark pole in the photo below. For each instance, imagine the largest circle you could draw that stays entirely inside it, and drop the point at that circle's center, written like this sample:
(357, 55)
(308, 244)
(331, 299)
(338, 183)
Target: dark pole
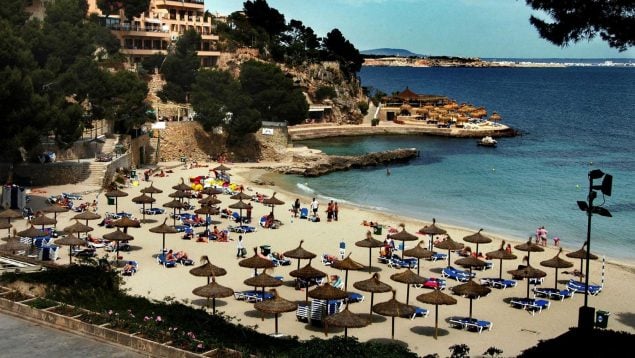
(592, 195)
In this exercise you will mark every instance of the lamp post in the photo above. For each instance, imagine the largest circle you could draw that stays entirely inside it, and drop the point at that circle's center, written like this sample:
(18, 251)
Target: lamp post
(586, 313)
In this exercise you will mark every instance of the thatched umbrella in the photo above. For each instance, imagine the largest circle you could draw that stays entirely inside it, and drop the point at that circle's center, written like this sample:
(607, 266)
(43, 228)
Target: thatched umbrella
(276, 305)
(418, 252)
(409, 278)
(347, 264)
(477, 239)
(263, 280)
(179, 194)
(240, 196)
(163, 229)
(327, 292)
(403, 236)
(6, 225)
(581, 254)
(436, 298)
(14, 244)
(213, 290)
(557, 263)
(9, 214)
(87, 215)
(126, 222)
(299, 253)
(307, 273)
(501, 255)
(174, 204)
(207, 211)
(255, 262)
(432, 230)
(77, 228)
(31, 233)
(118, 236)
(151, 190)
(472, 290)
(222, 168)
(470, 262)
(182, 186)
(529, 247)
(393, 308)
(116, 193)
(207, 269)
(450, 245)
(370, 243)
(43, 220)
(211, 191)
(527, 272)
(240, 205)
(70, 240)
(54, 209)
(210, 200)
(372, 285)
(272, 201)
(346, 319)
(143, 199)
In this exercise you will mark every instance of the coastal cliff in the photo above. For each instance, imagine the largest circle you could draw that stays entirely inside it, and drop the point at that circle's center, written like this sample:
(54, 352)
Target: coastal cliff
(311, 163)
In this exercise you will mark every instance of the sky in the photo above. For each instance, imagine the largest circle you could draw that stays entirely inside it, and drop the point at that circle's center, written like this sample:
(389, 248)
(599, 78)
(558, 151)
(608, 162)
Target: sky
(466, 28)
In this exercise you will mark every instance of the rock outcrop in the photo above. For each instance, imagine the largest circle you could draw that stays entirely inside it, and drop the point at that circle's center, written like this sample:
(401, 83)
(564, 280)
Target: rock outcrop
(312, 163)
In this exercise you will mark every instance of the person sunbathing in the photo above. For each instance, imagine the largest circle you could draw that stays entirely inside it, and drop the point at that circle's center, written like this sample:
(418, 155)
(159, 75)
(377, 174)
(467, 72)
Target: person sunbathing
(181, 255)
(170, 256)
(220, 235)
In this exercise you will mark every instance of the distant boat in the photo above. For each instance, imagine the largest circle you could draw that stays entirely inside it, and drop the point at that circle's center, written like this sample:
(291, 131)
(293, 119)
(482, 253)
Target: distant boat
(487, 142)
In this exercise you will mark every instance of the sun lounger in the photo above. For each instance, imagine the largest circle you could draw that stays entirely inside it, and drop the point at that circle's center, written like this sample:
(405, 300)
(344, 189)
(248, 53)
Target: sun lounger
(437, 256)
(470, 324)
(242, 229)
(553, 293)
(162, 260)
(580, 287)
(530, 304)
(458, 275)
(354, 297)
(397, 262)
(252, 295)
(279, 262)
(498, 282)
(435, 283)
(131, 268)
(419, 312)
(302, 312)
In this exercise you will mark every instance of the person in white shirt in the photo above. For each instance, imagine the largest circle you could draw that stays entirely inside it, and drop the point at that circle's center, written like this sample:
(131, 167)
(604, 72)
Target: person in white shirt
(314, 206)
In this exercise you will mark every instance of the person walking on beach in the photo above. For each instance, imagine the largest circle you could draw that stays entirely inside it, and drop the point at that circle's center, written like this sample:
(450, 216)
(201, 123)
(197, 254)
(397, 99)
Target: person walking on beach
(329, 211)
(336, 210)
(296, 207)
(314, 206)
(240, 247)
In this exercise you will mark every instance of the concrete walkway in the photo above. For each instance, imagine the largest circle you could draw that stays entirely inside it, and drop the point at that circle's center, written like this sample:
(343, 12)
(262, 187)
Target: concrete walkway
(21, 338)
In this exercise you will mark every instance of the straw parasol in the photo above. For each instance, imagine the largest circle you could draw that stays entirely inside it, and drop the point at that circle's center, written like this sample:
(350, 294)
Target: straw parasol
(182, 186)
(300, 253)
(143, 199)
(370, 243)
(179, 194)
(213, 290)
(207, 269)
(118, 236)
(174, 204)
(42, 220)
(347, 264)
(581, 254)
(126, 222)
(10, 214)
(327, 292)
(240, 195)
(255, 262)
(557, 263)
(263, 280)
(276, 305)
(87, 215)
(471, 290)
(432, 230)
(210, 190)
(207, 211)
(501, 255)
(222, 168)
(163, 229)
(14, 244)
(307, 273)
(403, 236)
(54, 209)
(70, 240)
(529, 247)
(116, 194)
(346, 319)
(495, 117)
(210, 200)
(477, 239)
(419, 252)
(436, 298)
(240, 205)
(527, 272)
(151, 190)
(32, 233)
(77, 228)
(393, 308)
(372, 285)
(272, 201)
(470, 262)
(450, 245)
(409, 278)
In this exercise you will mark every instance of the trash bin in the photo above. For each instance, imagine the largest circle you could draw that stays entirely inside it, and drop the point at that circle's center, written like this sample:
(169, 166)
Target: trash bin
(265, 249)
(183, 159)
(377, 230)
(133, 173)
(601, 318)
(111, 201)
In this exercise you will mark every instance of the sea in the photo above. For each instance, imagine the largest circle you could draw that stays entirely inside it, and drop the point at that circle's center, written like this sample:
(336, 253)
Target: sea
(571, 120)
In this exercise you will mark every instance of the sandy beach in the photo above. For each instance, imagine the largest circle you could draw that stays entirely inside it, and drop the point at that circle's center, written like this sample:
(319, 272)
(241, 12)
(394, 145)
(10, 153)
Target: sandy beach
(513, 329)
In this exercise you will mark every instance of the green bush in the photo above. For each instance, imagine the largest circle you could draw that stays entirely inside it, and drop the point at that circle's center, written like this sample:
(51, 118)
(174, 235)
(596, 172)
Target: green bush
(363, 107)
(374, 121)
(324, 92)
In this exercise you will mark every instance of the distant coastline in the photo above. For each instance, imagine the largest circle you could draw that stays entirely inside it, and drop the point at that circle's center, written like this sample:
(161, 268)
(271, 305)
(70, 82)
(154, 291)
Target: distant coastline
(397, 61)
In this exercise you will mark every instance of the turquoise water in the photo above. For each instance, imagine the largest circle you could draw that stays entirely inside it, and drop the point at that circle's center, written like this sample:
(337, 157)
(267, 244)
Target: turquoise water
(572, 120)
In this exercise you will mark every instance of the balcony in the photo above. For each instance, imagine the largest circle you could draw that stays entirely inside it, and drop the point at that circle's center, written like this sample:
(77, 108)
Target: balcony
(140, 31)
(187, 4)
(142, 52)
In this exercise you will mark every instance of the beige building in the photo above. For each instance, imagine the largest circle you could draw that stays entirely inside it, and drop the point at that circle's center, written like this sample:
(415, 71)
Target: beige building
(159, 28)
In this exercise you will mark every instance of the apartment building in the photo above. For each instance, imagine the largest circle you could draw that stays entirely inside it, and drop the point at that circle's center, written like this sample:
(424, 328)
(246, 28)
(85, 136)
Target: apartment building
(159, 28)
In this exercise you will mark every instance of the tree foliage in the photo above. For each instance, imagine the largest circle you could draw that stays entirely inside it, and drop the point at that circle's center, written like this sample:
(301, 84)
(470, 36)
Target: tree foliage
(132, 8)
(181, 66)
(576, 20)
(343, 51)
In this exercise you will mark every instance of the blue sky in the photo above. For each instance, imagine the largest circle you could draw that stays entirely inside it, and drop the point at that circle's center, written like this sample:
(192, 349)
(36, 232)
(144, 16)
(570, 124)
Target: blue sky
(468, 28)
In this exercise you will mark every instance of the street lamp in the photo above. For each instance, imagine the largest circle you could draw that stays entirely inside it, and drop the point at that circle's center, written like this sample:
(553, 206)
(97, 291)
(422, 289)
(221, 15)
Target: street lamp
(586, 313)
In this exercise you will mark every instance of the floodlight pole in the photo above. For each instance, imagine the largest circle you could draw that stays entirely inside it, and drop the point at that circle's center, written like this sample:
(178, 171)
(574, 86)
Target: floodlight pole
(586, 313)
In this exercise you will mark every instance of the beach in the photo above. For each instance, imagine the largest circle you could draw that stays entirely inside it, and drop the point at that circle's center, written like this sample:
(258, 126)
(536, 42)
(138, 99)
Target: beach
(513, 330)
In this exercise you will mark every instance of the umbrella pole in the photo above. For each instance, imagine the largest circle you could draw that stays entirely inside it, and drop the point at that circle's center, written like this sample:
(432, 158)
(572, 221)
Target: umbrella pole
(556, 283)
(213, 305)
(528, 287)
(346, 281)
(163, 248)
(500, 269)
(345, 332)
(470, 308)
(403, 248)
(393, 328)
(581, 270)
(449, 258)
(174, 217)
(370, 259)
(70, 254)
(372, 296)
(116, 204)
(436, 320)
(117, 257)
(418, 264)
(144, 213)
(276, 323)
(407, 293)
(150, 202)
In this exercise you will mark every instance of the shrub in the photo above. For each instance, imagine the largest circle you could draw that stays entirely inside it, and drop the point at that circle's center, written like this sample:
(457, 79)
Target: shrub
(374, 121)
(363, 107)
(324, 92)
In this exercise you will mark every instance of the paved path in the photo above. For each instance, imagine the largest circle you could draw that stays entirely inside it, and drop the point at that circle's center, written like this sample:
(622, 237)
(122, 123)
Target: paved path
(21, 338)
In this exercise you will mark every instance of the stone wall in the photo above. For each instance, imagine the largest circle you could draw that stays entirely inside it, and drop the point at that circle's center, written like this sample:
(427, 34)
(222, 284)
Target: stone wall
(58, 173)
(124, 161)
(274, 139)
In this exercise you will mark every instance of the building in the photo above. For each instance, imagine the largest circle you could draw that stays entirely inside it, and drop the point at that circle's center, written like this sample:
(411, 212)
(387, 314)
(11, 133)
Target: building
(159, 28)
(407, 103)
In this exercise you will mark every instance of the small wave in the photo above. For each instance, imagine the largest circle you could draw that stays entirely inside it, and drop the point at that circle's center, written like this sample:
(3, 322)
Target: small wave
(305, 188)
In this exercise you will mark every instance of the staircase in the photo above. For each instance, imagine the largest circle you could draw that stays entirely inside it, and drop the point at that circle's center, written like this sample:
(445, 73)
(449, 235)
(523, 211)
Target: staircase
(96, 173)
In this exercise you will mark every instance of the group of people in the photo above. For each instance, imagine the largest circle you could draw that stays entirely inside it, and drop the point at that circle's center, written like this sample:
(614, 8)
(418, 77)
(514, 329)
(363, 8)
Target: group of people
(332, 211)
(172, 256)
